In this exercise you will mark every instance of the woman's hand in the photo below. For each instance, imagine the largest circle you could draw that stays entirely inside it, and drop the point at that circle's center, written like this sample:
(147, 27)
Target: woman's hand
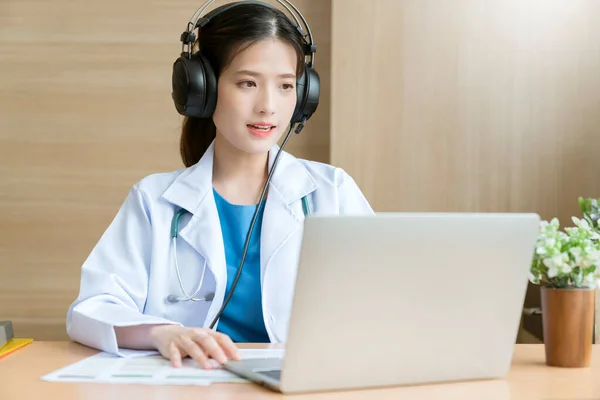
(176, 342)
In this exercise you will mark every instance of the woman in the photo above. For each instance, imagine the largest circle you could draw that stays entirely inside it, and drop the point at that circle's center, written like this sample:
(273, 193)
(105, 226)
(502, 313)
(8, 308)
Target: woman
(134, 295)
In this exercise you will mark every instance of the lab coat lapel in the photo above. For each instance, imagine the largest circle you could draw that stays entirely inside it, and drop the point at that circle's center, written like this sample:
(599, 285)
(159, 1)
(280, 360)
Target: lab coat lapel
(283, 214)
(192, 190)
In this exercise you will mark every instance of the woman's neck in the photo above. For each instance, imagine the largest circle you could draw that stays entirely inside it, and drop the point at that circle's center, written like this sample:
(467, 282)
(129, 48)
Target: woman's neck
(238, 176)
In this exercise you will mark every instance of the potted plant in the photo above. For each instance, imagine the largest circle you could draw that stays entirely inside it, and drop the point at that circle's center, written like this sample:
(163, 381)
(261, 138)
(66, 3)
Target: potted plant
(566, 264)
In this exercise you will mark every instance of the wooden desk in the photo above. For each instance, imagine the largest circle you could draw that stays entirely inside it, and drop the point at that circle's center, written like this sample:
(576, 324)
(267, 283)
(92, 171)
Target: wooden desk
(528, 379)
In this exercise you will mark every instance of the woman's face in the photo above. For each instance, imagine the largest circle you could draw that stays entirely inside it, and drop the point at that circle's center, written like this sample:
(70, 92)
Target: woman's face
(257, 96)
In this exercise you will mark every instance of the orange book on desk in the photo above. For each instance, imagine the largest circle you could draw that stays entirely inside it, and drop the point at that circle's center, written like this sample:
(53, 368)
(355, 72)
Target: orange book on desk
(13, 345)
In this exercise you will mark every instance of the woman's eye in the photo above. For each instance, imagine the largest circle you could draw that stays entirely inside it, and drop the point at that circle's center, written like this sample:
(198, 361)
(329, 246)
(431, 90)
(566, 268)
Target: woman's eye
(288, 86)
(247, 84)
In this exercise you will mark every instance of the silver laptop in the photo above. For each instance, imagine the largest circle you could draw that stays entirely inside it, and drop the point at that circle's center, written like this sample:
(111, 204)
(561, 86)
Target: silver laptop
(402, 299)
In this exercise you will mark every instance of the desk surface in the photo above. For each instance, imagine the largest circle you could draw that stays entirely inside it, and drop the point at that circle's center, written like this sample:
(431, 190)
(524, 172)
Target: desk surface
(529, 379)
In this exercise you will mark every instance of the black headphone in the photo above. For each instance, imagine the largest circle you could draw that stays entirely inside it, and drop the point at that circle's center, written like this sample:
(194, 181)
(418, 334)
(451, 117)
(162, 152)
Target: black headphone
(194, 81)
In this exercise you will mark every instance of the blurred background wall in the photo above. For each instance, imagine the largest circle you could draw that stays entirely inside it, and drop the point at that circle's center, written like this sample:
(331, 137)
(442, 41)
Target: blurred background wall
(468, 105)
(430, 105)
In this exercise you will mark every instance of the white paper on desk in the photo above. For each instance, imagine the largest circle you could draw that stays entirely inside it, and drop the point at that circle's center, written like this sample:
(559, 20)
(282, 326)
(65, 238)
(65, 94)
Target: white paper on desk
(128, 353)
(151, 370)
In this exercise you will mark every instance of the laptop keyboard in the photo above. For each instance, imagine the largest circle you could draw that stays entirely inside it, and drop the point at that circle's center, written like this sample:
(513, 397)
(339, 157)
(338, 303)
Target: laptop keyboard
(273, 374)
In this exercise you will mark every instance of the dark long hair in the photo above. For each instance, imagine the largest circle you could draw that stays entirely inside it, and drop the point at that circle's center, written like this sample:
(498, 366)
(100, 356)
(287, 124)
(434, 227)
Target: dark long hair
(220, 40)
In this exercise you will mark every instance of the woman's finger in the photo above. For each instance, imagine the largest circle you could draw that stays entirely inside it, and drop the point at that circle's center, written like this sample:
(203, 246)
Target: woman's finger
(230, 349)
(195, 351)
(174, 355)
(210, 346)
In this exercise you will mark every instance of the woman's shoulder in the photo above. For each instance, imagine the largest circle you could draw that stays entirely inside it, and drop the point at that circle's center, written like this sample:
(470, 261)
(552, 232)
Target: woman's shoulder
(155, 184)
(338, 184)
(326, 173)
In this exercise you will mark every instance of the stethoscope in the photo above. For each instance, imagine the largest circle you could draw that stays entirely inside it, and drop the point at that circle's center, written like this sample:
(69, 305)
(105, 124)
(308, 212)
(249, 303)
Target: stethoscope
(174, 233)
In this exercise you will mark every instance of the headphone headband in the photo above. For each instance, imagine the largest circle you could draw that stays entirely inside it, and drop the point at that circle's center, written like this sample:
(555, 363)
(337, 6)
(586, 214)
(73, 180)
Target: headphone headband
(199, 21)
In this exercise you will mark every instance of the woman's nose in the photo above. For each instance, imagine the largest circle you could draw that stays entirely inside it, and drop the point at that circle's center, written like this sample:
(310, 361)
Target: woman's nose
(265, 103)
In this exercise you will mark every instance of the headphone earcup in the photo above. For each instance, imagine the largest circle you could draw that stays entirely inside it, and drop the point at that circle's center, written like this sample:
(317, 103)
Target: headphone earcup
(308, 88)
(194, 86)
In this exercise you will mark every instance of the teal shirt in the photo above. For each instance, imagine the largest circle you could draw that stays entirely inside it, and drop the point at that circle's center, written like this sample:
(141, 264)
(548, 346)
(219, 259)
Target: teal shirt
(242, 319)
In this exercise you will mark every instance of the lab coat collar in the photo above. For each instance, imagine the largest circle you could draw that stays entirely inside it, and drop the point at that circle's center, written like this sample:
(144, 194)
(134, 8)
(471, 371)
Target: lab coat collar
(291, 180)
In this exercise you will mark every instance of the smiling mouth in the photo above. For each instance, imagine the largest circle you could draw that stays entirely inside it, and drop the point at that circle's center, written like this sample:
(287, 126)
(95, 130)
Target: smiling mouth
(260, 131)
(261, 127)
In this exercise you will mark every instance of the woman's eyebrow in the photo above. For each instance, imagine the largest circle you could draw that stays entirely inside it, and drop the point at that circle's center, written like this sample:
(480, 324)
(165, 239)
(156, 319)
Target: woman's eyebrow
(257, 74)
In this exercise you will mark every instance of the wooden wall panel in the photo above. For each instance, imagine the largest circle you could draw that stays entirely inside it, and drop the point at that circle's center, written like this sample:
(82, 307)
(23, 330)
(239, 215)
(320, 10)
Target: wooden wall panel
(468, 105)
(85, 111)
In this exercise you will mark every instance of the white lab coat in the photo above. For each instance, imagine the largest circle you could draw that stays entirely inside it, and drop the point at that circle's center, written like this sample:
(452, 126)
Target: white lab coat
(130, 272)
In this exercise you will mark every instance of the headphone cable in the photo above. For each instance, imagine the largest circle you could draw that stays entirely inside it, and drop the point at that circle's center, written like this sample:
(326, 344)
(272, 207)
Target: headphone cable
(254, 218)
